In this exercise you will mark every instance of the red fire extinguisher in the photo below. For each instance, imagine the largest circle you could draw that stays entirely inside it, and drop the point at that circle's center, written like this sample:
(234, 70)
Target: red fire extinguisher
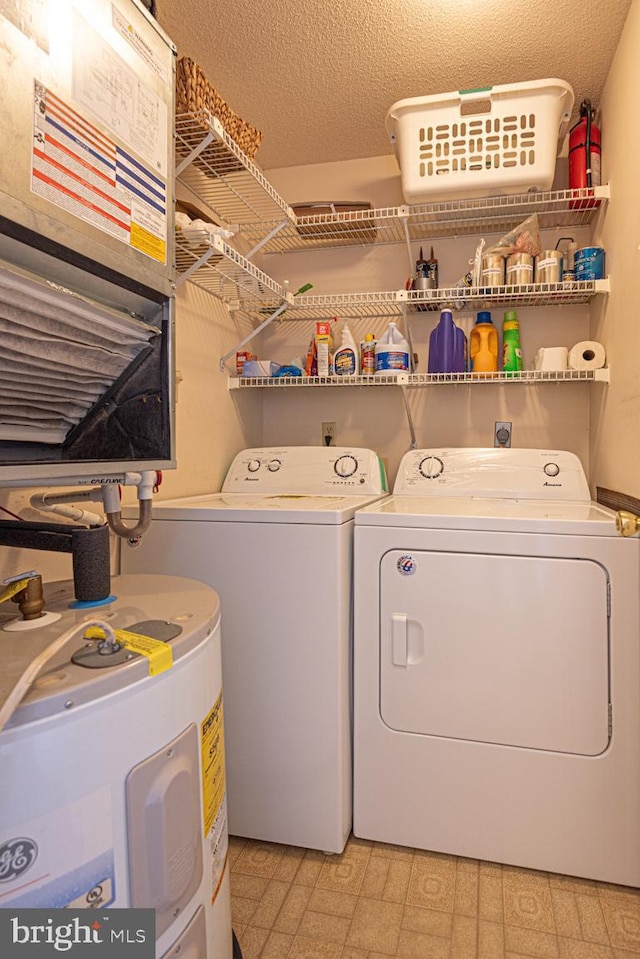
(584, 150)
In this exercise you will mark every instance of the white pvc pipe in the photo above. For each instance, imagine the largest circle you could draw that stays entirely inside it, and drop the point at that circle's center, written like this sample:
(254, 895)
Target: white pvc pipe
(57, 503)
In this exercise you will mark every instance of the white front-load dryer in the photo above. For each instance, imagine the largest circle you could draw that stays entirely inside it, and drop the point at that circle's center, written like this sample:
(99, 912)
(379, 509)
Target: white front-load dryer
(112, 783)
(277, 546)
(496, 665)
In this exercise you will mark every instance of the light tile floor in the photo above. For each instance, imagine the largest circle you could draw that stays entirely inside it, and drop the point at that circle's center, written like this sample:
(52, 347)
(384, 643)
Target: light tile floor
(376, 901)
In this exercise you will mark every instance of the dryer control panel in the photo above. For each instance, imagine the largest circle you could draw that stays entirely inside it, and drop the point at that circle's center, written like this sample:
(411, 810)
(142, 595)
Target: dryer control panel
(498, 473)
(306, 470)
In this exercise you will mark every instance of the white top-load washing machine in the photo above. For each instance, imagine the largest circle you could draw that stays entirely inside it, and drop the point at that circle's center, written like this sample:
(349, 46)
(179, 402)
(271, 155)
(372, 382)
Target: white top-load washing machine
(112, 789)
(497, 665)
(277, 543)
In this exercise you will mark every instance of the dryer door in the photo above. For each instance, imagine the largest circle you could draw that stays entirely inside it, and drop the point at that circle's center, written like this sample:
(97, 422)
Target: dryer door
(499, 649)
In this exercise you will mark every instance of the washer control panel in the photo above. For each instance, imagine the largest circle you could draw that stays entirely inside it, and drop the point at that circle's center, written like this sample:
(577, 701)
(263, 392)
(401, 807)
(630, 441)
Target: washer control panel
(498, 473)
(306, 470)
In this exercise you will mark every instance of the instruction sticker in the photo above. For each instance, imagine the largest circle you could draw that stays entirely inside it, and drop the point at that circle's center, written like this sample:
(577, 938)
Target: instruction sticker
(83, 171)
(152, 58)
(214, 799)
(117, 96)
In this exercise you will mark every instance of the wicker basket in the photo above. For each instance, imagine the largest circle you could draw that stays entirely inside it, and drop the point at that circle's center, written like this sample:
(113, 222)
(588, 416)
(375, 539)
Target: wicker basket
(195, 95)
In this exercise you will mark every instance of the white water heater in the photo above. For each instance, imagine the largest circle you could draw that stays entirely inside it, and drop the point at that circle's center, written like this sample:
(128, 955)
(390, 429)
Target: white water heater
(112, 777)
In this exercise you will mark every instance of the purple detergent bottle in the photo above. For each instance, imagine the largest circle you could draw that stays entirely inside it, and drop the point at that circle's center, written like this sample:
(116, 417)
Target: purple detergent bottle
(446, 346)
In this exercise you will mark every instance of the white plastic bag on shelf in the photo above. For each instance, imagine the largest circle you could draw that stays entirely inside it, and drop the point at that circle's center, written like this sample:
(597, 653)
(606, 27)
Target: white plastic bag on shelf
(200, 230)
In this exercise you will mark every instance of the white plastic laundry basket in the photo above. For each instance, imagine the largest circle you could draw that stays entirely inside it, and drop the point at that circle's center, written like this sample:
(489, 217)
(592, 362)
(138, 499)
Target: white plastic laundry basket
(485, 142)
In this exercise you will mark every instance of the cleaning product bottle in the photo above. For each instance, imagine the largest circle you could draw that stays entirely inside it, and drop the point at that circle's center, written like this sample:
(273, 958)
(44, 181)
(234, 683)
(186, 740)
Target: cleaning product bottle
(324, 347)
(368, 354)
(511, 349)
(447, 345)
(483, 344)
(392, 351)
(345, 358)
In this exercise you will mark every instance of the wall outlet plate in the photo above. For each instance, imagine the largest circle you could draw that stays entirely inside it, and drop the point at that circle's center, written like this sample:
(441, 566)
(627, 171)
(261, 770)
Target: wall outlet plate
(328, 434)
(502, 434)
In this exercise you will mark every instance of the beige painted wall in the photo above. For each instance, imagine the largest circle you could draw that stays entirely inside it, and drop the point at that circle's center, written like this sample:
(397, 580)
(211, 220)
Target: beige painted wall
(212, 424)
(615, 413)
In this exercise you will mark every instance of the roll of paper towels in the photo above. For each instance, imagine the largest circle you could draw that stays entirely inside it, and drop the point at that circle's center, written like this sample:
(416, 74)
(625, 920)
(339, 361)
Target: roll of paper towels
(587, 355)
(551, 358)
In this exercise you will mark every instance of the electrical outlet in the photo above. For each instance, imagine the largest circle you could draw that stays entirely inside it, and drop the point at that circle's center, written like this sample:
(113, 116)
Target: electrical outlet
(328, 434)
(502, 434)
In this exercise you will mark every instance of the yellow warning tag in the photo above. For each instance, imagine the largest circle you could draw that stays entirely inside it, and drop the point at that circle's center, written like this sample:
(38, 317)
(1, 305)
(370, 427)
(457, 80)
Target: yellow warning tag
(12, 589)
(213, 771)
(159, 654)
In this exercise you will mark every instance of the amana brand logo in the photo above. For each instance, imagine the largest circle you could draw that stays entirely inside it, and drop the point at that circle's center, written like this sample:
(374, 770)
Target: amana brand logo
(16, 855)
(546, 483)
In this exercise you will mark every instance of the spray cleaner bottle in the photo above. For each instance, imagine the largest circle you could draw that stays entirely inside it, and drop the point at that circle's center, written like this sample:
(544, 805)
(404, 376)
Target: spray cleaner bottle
(345, 358)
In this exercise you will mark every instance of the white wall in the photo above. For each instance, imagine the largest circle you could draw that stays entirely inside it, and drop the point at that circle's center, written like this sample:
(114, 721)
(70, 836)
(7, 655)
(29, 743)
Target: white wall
(615, 412)
(212, 424)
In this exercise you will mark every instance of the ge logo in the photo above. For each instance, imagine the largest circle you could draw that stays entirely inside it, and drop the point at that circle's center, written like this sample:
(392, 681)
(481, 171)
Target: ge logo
(407, 565)
(16, 855)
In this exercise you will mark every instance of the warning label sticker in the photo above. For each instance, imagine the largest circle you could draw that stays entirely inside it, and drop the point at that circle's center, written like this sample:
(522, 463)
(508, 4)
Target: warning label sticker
(80, 169)
(214, 799)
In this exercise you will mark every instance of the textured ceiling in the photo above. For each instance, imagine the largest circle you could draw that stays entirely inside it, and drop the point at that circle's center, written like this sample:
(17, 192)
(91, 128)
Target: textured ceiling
(318, 77)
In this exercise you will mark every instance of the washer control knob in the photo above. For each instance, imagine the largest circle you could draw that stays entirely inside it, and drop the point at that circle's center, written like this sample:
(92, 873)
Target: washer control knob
(253, 466)
(431, 467)
(345, 466)
(551, 469)
(273, 466)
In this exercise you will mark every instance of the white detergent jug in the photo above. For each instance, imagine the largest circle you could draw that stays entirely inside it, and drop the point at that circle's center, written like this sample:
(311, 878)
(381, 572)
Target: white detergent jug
(392, 351)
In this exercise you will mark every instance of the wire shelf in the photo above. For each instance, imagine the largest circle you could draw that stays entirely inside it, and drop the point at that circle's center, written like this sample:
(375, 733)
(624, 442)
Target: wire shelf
(531, 294)
(390, 304)
(561, 208)
(345, 305)
(213, 166)
(215, 266)
(424, 379)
